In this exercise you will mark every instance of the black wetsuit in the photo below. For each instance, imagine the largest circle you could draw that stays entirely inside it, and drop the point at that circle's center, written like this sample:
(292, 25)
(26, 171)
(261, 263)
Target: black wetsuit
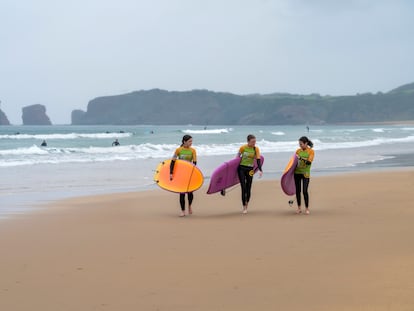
(246, 173)
(192, 159)
(190, 196)
(299, 180)
(246, 181)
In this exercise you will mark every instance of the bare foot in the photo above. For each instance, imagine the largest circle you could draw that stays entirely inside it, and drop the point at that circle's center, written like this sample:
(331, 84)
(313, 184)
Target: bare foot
(307, 211)
(190, 211)
(299, 211)
(182, 214)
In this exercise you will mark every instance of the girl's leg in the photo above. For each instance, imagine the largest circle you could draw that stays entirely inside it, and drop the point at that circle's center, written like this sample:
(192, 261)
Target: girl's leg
(298, 179)
(242, 178)
(182, 204)
(305, 193)
(190, 201)
(249, 182)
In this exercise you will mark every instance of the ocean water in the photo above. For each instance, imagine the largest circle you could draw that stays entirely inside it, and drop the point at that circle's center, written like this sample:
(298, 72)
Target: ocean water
(80, 160)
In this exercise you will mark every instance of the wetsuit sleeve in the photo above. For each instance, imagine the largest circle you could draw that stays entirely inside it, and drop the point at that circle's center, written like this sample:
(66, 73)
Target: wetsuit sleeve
(176, 153)
(257, 153)
(241, 150)
(259, 164)
(194, 156)
(172, 166)
(258, 158)
(311, 155)
(309, 160)
(175, 156)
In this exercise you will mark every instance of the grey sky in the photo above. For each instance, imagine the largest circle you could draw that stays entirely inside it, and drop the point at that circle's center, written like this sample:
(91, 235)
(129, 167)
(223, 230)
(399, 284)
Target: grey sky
(64, 53)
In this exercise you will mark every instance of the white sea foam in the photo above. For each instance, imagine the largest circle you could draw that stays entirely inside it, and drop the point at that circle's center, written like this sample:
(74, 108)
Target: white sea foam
(38, 155)
(348, 130)
(33, 150)
(212, 131)
(67, 136)
(319, 145)
(280, 133)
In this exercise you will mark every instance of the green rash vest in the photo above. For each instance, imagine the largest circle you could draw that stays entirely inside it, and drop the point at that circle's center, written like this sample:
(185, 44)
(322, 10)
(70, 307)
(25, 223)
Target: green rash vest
(305, 155)
(248, 155)
(187, 154)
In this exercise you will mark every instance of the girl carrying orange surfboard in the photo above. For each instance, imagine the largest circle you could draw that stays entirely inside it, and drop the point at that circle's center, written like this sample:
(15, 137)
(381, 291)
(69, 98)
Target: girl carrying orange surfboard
(187, 153)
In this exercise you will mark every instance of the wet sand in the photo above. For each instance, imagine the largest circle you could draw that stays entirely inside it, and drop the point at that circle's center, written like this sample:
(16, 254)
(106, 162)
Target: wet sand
(131, 252)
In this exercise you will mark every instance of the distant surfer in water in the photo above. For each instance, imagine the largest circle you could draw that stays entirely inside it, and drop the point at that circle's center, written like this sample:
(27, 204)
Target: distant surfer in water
(187, 153)
(248, 154)
(116, 143)
(305, 156)
(43, 144)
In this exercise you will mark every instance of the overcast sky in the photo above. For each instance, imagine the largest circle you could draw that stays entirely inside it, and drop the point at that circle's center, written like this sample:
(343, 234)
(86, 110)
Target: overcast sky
(64, 53)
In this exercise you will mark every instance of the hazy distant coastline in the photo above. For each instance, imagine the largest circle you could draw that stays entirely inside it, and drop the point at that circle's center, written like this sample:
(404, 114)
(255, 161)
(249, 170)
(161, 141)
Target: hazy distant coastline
(203, 107)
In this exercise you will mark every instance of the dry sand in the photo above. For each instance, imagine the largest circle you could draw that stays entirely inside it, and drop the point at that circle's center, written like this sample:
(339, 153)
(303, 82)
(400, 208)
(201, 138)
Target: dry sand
(131, 251)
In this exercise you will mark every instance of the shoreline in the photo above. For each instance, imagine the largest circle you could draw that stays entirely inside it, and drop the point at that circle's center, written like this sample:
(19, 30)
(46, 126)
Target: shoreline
(51, 199)
(275, 181)
(131, 251)
(42, 200)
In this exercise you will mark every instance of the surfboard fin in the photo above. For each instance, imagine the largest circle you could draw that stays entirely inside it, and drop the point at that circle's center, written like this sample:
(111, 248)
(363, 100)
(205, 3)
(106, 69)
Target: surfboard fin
(223, 192)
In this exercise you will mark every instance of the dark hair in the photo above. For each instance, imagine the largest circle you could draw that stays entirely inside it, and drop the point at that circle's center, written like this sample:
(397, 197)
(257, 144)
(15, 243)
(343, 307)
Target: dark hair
(185, 138)
(250, 137)
(307, 141)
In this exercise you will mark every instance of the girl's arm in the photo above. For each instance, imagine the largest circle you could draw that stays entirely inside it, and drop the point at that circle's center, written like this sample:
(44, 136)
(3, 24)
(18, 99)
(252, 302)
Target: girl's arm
(259, 164)
(173, 163)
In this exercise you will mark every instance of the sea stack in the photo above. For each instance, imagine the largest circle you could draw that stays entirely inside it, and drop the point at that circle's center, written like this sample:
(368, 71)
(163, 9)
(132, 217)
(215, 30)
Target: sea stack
(78, 116)
(3, 118)
(35, 115)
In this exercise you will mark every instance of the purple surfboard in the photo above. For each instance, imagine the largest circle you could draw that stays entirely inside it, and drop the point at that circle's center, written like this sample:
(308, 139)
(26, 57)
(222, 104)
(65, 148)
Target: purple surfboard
(225, 176)
(288, 180)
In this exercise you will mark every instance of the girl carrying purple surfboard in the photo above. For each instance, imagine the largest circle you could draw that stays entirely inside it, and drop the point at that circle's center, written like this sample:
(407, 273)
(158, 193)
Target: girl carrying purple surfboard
(248, 154)
(305, 156)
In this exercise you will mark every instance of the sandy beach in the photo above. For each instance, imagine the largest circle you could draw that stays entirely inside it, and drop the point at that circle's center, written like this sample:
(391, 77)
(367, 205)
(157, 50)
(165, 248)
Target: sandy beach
(131, 252)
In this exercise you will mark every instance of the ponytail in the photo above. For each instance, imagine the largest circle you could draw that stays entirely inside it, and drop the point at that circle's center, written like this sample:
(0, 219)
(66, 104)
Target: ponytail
(307, 141)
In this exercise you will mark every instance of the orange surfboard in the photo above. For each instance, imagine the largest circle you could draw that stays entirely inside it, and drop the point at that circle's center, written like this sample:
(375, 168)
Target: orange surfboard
(186, 176)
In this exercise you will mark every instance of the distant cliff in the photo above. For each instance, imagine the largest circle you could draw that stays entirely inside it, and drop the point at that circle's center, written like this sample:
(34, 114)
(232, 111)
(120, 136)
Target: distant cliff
(206, 107)
(35, 115)
(3, 118)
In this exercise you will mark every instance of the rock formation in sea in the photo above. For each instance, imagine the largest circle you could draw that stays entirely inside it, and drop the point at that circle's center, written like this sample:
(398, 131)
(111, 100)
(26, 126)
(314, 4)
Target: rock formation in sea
(3, 118)
(35, 115)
